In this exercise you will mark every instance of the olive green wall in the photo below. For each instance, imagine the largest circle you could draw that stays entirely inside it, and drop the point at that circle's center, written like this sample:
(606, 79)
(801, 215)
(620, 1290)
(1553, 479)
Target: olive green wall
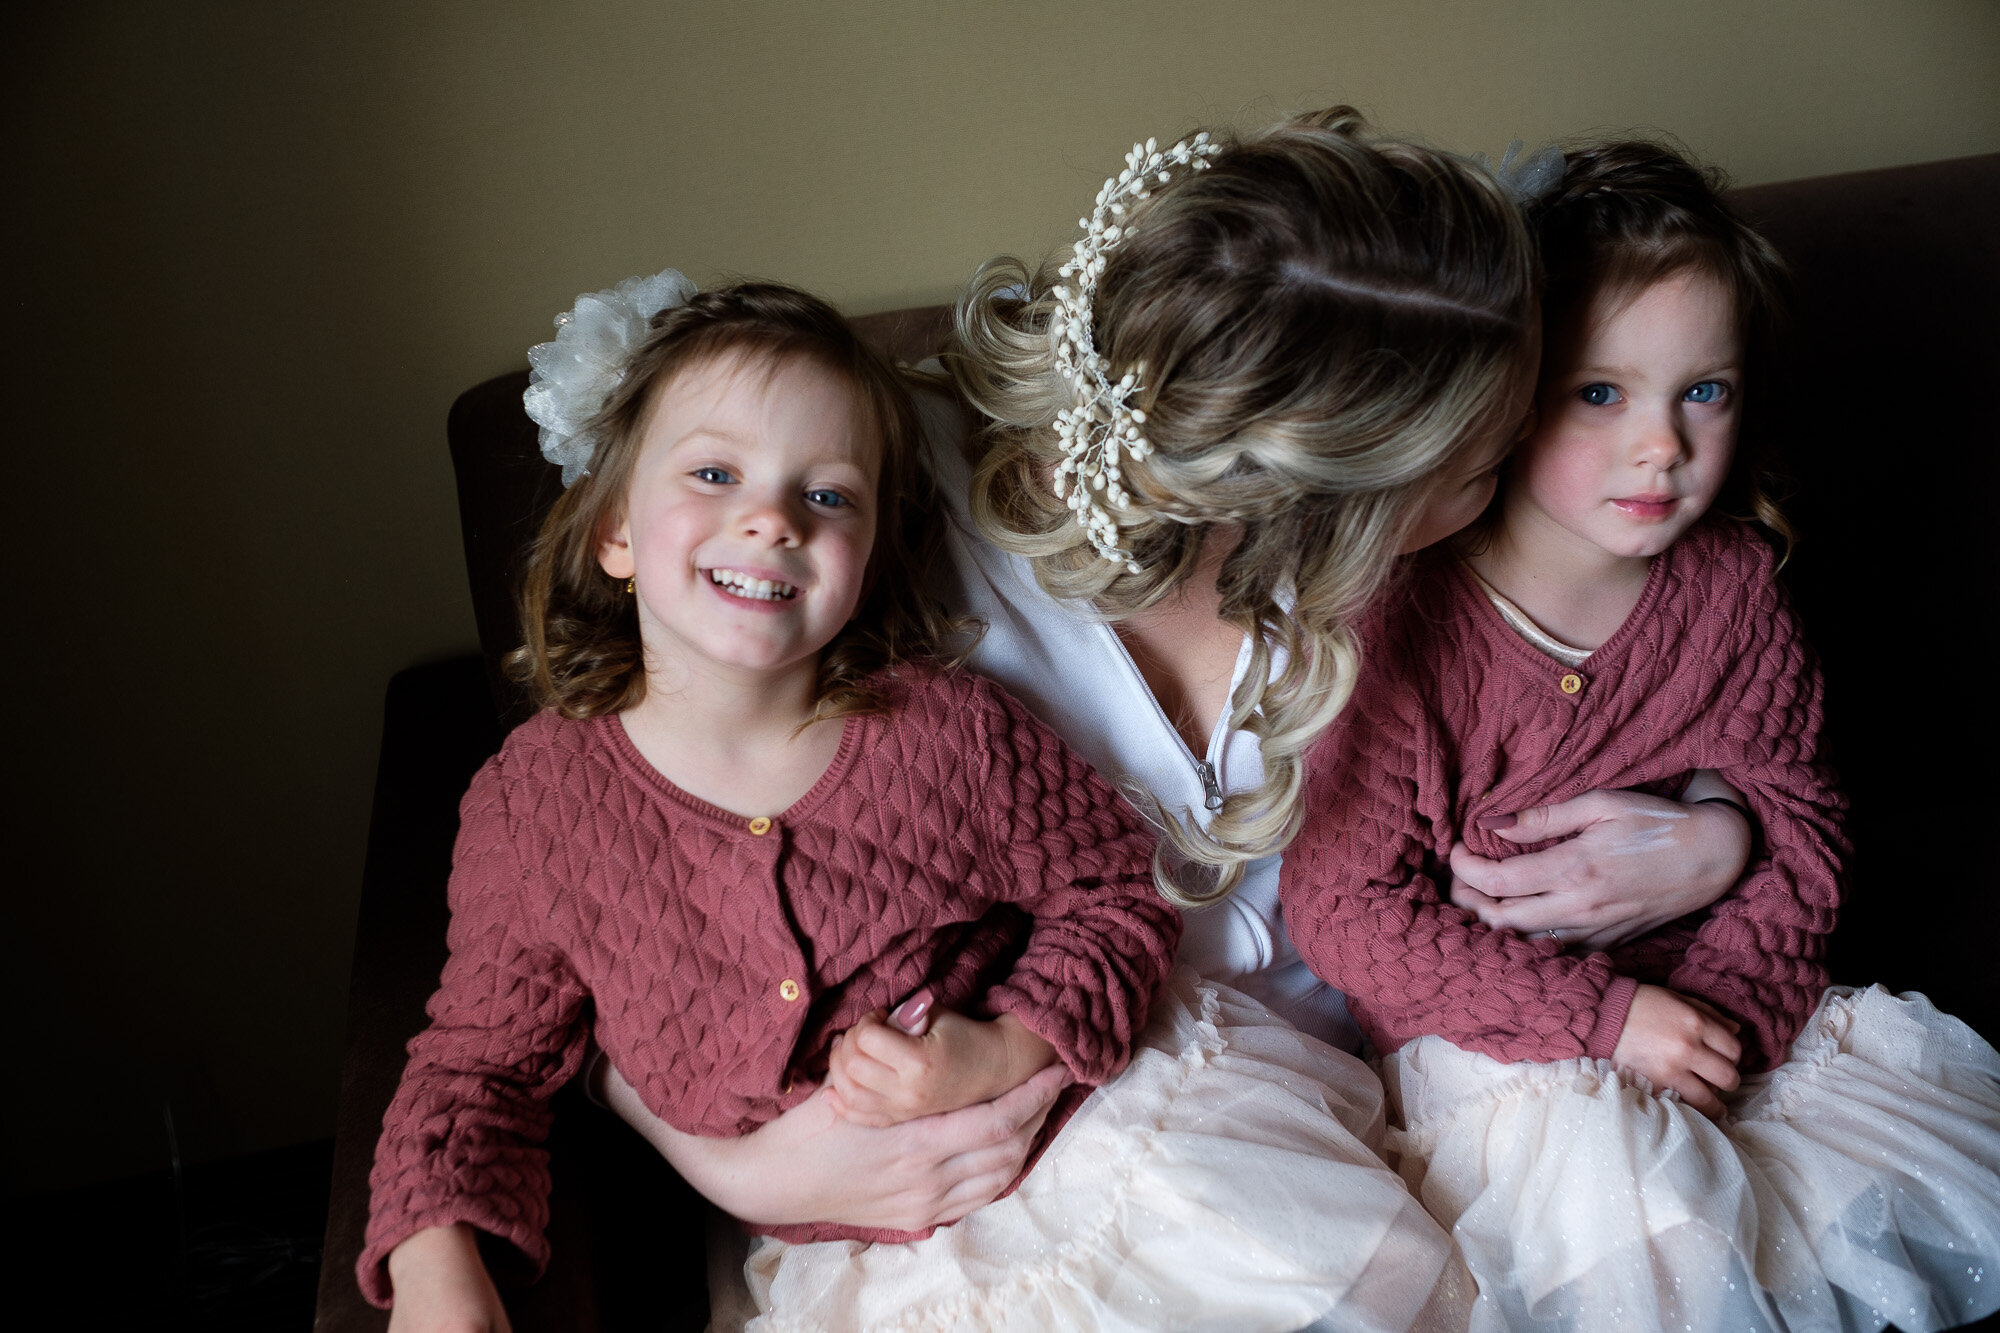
(259, 248)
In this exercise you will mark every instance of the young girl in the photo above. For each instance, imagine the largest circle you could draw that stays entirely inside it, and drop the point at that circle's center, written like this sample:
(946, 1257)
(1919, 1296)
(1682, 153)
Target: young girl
(1680, 1132)
(756, 815)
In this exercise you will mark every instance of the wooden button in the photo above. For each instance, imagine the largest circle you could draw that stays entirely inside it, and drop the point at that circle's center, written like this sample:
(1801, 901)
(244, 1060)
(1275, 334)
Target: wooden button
(1571, 683)
(760, 826)
(788, 990)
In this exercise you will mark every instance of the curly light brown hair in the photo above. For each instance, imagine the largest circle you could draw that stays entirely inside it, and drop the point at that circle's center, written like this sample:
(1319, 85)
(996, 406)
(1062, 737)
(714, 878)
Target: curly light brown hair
(581, 653)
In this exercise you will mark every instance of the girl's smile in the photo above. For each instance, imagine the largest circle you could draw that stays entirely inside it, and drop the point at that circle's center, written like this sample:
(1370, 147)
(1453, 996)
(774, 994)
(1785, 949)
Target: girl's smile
(740, 585)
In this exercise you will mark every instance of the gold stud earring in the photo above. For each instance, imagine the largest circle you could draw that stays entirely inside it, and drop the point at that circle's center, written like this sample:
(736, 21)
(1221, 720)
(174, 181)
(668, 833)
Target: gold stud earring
(631, 585)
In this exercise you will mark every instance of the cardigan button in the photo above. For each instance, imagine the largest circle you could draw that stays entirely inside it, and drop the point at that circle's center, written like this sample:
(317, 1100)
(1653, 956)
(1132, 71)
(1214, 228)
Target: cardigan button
(788, 990)
(1571, 683)
(760, 825)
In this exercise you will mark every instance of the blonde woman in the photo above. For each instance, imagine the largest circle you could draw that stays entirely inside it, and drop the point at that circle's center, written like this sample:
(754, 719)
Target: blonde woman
(1270, 366)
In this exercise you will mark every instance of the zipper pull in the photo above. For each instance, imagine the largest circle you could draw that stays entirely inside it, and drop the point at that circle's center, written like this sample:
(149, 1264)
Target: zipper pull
(1210, 788)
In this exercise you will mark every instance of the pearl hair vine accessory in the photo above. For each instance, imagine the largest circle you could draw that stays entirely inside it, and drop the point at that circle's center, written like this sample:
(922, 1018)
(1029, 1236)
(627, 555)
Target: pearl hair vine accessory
(571, 379)
(1101, 422)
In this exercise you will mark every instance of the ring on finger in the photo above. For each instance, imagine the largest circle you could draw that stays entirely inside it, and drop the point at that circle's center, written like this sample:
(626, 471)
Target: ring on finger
(1554, 934)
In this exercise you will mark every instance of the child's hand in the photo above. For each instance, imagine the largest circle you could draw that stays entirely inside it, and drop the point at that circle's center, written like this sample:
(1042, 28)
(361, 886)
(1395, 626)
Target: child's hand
(883, 1074)
(442, 1287)
(1679, 1042)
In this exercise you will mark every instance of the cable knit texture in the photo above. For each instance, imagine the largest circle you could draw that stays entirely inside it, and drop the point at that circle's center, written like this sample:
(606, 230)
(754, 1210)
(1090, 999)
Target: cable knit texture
(1456, 716)
(956, 843)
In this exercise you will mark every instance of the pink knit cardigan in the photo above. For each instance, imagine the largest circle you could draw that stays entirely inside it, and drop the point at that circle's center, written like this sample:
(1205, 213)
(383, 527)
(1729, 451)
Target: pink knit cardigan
(1456, 716)
(956, 843)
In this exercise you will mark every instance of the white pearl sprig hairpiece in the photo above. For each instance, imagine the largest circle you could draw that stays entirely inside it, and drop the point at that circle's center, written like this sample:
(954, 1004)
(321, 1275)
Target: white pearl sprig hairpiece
(1102, 422)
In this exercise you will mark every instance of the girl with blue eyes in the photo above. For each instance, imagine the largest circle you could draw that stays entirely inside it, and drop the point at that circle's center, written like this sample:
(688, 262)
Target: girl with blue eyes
(1690, 1129)
(757, 816)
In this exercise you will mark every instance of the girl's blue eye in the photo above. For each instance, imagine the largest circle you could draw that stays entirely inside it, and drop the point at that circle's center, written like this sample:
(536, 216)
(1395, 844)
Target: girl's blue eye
(1708, 391)
(1598, 395)
(715, 476)
(826, 499)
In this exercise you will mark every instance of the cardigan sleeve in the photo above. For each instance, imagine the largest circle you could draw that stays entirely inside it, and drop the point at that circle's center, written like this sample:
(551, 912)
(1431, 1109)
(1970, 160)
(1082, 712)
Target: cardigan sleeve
(1761, 954)
(461, 1139)
(1368, 919)
(1076, 858)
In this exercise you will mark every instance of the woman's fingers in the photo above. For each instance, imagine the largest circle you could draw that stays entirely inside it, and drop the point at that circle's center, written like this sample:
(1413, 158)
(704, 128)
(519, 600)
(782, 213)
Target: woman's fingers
(1564, 881)
(974, 1192)
(973, 1153)
(1481, 874)
(1542, 822)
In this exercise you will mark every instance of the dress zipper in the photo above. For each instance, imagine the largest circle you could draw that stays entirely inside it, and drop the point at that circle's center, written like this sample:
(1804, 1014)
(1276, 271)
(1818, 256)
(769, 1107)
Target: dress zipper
(1210, 788)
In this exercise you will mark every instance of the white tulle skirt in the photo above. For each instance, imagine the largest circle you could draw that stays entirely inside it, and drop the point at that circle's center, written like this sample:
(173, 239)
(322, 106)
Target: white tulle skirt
(1853, 1186)
(1229, 1179)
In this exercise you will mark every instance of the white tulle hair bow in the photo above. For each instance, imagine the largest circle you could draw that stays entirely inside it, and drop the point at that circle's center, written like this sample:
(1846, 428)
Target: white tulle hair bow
(1527, 178)
(571, 379)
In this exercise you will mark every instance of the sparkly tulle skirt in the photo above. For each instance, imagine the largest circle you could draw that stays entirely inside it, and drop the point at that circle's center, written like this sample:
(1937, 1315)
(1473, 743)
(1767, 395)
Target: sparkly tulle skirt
(1851, 1187)
(1229, 1179)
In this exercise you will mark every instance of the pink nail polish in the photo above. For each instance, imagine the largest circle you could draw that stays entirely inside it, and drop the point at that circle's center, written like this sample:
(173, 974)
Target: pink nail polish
(909, 1015)
(1492, 823)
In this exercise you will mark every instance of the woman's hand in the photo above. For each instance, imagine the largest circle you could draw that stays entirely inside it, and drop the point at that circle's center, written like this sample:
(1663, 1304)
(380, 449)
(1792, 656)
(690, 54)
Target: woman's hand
(1679, 1042)
(1631, 864)
(811, 1165)
(441, 1286)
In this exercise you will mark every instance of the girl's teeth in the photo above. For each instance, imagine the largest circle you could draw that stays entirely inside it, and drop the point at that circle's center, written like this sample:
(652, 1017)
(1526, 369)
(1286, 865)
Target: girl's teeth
(763, 590)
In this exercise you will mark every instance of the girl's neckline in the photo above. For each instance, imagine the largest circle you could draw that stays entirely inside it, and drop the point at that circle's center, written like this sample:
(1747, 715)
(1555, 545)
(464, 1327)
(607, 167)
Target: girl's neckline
(1524, 625)
(1612, 647)
(611, 728)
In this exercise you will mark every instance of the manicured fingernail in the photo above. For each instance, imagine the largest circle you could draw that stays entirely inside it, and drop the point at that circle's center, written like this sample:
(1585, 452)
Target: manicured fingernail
(1493, 822)
(911, 1012)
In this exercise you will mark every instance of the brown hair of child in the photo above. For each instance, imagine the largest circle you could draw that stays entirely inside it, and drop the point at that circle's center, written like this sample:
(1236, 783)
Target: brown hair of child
(581, 654)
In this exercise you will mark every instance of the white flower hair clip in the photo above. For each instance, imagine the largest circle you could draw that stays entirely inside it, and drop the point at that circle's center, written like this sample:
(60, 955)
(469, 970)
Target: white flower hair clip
(571, 379)
(1101, 422)
(1530, 179)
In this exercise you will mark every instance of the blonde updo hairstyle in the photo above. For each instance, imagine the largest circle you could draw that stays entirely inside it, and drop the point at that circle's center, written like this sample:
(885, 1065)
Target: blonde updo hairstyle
(1321, 322)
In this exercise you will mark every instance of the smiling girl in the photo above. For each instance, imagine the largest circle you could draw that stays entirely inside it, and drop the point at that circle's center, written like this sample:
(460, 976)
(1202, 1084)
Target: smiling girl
(756, 813)
(1691, 1129)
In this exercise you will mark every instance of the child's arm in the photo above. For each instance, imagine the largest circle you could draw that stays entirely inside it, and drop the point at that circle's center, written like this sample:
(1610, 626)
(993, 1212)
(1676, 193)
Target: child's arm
(917, 1062)
(1075, 856)
(442, 1286)
(1368, 920)
(460, 1141)
(1760, 955)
